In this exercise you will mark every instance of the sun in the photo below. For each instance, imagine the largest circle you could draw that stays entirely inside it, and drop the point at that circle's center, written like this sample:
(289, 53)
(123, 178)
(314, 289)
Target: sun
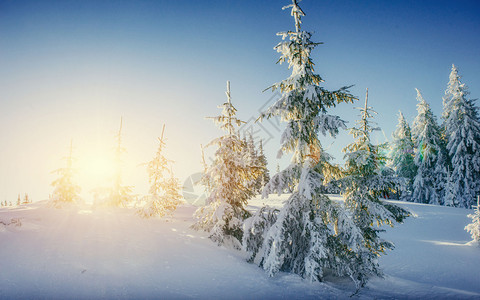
(100, 168)
(96, 171)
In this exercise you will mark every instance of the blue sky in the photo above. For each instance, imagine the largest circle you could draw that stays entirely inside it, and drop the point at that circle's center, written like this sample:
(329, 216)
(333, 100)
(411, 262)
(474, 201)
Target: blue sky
(70, 69)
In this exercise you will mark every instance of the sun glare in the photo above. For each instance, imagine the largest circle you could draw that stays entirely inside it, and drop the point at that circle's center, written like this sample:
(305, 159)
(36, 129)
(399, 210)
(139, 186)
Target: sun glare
(96, 171)
(99, 168)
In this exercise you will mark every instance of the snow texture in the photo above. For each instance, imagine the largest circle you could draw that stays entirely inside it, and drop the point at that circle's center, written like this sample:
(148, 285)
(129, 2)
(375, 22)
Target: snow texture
(85, 253)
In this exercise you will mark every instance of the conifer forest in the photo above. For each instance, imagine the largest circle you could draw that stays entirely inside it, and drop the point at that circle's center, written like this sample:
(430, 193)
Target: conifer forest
(299, 180)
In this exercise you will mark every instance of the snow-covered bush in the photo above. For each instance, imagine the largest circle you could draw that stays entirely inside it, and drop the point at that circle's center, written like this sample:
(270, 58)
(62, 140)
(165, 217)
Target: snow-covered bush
(474, 227)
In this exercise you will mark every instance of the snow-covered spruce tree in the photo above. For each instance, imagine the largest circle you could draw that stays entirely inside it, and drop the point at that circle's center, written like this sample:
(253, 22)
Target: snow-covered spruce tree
(264, 176)
(205, 180)
(310, 234)
(256, 157)
(474, 227)
(462, 131)
(331, 172)
(362, 186)
(163, 195)
(228, 179)
(172, 190)
(66, 191)
(252, 159)
(430, 156)
(402, 155)
(116, 195)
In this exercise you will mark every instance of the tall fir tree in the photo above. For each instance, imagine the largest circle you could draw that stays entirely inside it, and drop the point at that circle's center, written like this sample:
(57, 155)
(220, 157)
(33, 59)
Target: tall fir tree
(164, 196)
(362, 186)
(311, 234)
(402, 155)
(430, 156)
(462, 131)
(227, 179)
(66, 191)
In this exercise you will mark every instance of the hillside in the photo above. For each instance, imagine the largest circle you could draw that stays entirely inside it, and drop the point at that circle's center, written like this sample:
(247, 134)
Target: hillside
(81, 252)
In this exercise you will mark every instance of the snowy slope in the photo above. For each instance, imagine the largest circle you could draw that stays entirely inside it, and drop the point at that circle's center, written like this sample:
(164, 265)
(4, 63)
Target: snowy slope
(112, 253)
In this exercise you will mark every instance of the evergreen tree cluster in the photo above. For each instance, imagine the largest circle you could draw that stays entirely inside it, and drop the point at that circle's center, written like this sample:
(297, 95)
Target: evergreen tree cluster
(5, 203)
(440, 162)
(26, 200)
(257, 158)
(311, 235)
(164, 194)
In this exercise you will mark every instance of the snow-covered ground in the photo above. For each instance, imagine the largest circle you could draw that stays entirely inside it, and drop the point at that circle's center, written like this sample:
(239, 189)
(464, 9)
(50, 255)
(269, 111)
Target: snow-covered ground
(113, 254)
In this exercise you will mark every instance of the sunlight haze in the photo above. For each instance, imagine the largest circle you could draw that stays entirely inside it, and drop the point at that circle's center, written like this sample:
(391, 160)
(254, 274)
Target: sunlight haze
(69, 70)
